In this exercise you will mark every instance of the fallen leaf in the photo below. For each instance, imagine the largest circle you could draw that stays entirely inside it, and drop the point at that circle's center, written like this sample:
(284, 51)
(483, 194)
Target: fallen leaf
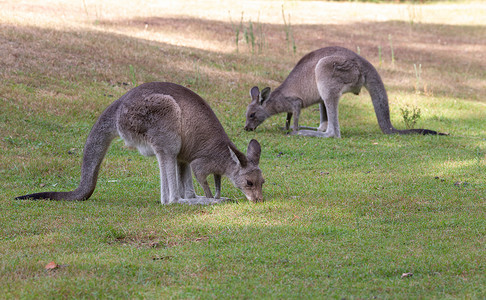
(404, 275)
(154, 244)
(51, 266)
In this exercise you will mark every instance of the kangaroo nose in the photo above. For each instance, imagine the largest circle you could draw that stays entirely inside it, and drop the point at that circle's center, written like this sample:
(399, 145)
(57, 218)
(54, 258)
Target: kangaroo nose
(258, 198)
(248, 128)
(254, 198)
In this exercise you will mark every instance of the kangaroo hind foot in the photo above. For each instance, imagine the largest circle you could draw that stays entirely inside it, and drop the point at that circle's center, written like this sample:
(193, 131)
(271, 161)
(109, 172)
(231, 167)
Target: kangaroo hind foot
(203, 200)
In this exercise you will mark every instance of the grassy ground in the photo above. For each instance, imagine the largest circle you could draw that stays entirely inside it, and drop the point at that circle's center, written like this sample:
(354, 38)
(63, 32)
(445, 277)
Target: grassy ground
(343, 218)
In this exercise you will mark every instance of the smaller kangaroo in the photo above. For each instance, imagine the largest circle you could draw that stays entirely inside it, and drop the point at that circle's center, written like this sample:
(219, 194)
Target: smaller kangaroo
(178, 127)
(322, 76)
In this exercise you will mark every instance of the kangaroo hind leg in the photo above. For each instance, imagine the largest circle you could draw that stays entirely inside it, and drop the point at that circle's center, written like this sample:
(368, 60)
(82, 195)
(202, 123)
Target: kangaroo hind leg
(331, 101)
(336, 75)
(166, 146)
(322, 117)
(186, 187)
(169, 178)
(152, 124)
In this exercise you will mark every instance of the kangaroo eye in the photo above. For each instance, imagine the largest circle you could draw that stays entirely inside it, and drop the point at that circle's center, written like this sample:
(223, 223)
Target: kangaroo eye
(249, 183)
(252, 115)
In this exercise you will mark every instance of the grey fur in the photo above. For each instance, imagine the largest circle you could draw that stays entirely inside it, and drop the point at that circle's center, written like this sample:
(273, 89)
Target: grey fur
(322, 76)
(178, 127)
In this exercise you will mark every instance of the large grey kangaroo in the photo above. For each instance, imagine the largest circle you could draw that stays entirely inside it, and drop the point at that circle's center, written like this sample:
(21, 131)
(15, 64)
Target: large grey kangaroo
(178, 127)
(322, 76)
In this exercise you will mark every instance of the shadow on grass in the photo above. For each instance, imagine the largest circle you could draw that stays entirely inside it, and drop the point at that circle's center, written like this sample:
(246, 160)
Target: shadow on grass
(450, 55)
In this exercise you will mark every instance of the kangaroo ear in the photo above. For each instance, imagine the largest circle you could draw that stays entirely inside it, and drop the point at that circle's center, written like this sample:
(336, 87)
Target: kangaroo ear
(255, 94)
(264, 94)
(253, 152)
(238, 157)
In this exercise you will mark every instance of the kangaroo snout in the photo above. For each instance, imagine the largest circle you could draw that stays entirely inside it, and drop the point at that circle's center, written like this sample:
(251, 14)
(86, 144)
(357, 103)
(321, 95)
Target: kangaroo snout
(248, 128)
(255, 197)
(255, 193)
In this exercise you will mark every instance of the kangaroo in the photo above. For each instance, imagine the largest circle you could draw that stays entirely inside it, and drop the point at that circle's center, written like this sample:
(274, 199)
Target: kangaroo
(322, 76)
(178, 127)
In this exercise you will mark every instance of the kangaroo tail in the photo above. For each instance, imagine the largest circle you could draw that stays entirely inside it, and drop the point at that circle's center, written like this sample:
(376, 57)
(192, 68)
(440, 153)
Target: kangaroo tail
(419, 131)
(379, 97)
(97, 144)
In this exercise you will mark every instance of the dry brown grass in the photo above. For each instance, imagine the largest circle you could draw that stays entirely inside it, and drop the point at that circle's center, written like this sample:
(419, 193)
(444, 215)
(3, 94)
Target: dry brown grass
(76, 40)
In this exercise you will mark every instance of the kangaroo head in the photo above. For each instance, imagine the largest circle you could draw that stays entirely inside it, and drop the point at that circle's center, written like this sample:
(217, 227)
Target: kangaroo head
(247, 176)
(256, 112)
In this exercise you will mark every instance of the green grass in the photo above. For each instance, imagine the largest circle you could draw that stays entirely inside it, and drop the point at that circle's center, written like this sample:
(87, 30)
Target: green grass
(343, 218)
